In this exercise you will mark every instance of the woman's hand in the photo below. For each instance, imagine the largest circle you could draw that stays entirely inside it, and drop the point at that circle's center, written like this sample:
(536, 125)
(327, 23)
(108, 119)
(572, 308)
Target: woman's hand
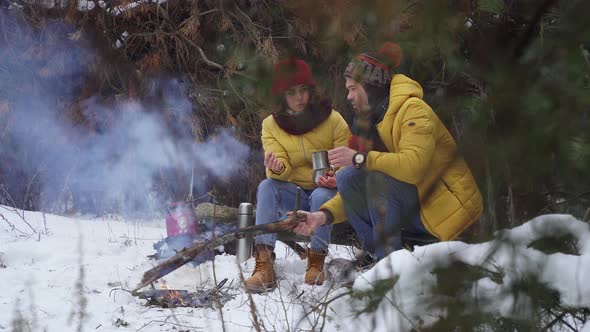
(327, 181)
(271, 162)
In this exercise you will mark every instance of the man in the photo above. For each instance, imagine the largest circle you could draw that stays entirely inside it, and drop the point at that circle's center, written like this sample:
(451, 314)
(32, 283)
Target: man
(404, 173)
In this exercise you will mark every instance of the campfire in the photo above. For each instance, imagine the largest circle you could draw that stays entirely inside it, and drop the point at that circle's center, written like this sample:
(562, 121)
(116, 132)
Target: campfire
(173, 298)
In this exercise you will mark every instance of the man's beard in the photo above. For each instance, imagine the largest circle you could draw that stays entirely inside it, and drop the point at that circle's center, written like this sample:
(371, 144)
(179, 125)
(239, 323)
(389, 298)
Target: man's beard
(358, 110)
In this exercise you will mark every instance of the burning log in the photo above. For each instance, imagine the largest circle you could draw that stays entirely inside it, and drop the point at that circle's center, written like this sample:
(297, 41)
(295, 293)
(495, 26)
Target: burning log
(172, 298)
(187, 254)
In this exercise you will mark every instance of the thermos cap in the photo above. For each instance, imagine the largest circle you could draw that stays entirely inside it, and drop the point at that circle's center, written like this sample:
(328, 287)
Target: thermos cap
(246, 208)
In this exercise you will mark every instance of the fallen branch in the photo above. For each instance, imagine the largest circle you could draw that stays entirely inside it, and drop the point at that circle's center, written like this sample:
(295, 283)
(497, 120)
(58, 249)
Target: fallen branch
(187, 254)
(218, 212)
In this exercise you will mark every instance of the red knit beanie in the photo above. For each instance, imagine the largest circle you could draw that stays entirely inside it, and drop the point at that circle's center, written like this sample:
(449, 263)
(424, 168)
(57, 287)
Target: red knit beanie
(290, 72)
(375, 68)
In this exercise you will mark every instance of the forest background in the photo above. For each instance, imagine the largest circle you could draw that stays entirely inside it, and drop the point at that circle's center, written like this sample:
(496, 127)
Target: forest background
(509, 78)
(120, 107)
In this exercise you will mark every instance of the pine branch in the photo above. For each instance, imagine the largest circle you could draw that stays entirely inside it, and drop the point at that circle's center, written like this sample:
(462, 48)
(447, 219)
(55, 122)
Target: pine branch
(528, 35)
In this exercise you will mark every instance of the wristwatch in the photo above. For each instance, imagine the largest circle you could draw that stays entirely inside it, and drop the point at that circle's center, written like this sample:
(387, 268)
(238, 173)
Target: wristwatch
(359, 159)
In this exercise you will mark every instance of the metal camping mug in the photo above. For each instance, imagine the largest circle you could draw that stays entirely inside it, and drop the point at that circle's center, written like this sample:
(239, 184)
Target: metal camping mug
(321, 165)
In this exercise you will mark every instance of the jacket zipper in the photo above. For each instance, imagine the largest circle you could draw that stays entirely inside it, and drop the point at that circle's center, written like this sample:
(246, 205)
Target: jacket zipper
(303, 148)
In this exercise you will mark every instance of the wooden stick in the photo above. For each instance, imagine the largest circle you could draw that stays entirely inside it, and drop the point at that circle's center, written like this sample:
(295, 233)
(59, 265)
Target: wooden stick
(186, 255)
(228, 214)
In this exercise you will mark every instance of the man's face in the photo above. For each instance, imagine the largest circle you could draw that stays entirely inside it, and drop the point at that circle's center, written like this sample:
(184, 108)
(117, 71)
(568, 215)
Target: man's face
(357, 95)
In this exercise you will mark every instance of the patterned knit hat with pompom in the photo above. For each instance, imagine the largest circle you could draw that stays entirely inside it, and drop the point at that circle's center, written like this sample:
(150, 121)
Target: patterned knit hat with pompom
(375, 68)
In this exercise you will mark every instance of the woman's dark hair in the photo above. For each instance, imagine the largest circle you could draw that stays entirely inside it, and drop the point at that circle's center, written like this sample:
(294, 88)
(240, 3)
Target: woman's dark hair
(279, 104)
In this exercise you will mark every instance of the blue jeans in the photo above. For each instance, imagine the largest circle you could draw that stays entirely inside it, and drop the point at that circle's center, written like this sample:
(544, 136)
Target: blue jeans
(378, 207)
(276, 198)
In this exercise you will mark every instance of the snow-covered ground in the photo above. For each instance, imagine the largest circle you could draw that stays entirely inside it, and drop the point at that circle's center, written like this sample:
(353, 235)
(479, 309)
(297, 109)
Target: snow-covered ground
(72, 273)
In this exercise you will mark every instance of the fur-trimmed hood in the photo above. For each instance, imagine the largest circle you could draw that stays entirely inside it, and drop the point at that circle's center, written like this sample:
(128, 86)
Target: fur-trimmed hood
(310, 118)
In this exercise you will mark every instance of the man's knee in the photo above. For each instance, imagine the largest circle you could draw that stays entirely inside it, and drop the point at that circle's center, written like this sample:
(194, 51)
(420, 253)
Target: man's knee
(378, 181)
(345, 177)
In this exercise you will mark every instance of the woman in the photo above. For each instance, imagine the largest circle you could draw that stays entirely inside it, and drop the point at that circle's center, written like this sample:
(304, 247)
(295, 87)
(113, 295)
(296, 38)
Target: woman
(302, 122)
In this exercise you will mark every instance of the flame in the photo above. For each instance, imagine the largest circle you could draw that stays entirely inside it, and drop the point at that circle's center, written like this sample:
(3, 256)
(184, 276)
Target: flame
(174, 298)
(171, 298)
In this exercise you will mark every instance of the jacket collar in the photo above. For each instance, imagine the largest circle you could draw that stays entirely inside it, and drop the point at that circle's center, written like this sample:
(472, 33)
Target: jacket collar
(310, 118)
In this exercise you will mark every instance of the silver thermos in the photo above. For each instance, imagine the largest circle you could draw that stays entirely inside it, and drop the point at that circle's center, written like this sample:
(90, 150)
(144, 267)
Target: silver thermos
(245, 219)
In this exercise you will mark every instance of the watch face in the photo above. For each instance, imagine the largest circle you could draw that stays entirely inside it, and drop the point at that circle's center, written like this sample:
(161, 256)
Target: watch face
(359, 158)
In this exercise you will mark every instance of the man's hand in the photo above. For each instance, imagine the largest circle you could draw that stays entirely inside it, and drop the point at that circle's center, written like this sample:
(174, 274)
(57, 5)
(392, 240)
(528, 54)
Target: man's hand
(313, 220)
(341, 156)
(271, 162)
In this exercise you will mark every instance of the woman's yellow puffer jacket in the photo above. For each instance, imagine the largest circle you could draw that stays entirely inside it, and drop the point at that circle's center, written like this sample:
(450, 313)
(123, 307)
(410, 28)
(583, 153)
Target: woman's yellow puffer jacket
(423, 153)
(294, 151)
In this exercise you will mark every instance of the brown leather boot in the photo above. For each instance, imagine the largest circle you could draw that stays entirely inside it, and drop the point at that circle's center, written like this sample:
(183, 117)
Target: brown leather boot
(263, 277)
(314, 275)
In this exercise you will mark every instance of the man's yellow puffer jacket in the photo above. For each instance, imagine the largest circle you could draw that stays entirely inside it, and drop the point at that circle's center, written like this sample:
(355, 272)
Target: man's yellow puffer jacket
(294, 151)
(422, 152)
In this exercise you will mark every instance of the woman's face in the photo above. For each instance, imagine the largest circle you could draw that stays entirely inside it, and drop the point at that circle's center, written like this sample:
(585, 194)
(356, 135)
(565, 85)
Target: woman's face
(297, 97)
